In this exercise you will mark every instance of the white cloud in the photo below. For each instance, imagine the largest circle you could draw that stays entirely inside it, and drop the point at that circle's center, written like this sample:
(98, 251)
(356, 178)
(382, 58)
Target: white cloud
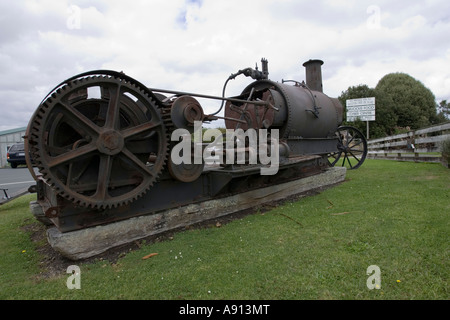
(194, 45)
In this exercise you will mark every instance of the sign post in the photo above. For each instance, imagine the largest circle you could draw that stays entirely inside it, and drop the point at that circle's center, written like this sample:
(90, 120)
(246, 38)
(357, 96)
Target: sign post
(362, 109)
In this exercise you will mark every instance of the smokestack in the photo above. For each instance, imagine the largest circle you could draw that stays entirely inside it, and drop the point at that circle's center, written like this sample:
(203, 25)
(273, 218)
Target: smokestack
(314, 74)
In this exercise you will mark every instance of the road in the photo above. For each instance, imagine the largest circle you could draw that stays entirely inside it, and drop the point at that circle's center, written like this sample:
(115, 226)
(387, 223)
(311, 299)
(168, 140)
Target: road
(15, 180)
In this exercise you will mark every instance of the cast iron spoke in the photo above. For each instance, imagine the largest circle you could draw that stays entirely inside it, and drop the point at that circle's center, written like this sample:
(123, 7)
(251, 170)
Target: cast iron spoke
(112, 115)
(140, 129)
(138, 163)
(78, 121)
(71, 155)
(104, 177)
(348, 160)
(357, 144)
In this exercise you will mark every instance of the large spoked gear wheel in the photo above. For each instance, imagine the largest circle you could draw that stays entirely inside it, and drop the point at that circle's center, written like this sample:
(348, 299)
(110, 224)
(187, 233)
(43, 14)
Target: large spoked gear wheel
(99, 139)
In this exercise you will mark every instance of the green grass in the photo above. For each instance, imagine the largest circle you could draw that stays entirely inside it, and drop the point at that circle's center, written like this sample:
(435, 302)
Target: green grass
(391, 214)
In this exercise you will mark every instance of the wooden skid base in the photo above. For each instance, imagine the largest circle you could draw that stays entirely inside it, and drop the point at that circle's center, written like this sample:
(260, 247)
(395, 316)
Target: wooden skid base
(89, 242)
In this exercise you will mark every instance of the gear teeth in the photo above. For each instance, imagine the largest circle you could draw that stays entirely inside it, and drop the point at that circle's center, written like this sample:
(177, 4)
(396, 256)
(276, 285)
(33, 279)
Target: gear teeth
(40, 149)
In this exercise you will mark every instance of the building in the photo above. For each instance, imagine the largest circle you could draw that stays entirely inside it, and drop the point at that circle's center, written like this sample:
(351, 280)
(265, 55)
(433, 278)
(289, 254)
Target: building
(7, 139)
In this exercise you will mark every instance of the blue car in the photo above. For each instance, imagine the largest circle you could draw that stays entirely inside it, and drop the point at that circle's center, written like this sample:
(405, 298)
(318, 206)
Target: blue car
(16, 155)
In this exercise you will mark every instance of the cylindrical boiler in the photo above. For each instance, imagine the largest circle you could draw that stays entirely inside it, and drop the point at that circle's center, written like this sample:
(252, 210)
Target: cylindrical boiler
(297, 110)
(301, 110)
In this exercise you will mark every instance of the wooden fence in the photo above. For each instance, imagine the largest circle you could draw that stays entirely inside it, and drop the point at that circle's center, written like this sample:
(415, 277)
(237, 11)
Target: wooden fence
(422, 145)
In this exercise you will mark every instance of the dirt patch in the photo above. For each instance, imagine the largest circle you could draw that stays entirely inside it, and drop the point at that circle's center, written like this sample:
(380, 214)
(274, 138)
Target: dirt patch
(51, 263)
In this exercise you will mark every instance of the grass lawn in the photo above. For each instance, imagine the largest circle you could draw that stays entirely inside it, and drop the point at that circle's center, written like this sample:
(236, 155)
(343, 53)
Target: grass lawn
(394, 215)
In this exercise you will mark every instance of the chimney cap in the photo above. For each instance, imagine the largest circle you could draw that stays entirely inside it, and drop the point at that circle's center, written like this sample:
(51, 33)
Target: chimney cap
(310, 61)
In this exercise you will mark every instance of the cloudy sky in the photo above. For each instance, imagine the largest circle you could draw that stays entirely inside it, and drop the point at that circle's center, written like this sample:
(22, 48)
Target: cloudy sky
(194, 45)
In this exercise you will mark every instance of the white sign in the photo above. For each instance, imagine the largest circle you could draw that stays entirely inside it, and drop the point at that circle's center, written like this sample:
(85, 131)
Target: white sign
(359, 102)
(362, 118)
(362, 109)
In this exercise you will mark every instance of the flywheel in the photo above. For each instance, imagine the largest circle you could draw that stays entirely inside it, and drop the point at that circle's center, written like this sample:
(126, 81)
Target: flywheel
(99, 139)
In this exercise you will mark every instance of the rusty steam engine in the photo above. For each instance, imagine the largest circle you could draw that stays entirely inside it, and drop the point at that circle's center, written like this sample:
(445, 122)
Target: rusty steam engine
(102, 143)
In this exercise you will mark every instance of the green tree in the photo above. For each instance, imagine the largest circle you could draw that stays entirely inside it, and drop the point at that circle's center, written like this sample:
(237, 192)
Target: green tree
(385, 117)
(413, 103)
(443, 111)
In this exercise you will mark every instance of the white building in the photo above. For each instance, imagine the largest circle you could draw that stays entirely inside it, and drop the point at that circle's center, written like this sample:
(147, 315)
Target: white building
(7, 139)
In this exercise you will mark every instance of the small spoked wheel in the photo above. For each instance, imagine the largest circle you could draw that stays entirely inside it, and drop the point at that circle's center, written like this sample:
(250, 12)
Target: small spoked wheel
(352, 148)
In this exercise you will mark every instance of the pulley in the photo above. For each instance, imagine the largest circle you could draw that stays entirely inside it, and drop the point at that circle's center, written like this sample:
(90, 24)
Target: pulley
(185, 111)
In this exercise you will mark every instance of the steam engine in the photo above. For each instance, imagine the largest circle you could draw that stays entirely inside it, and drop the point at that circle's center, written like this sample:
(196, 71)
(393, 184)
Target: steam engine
(103, 143)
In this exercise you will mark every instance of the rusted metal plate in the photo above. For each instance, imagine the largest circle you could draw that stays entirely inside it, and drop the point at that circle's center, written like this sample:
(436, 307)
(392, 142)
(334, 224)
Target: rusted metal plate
(256, 116)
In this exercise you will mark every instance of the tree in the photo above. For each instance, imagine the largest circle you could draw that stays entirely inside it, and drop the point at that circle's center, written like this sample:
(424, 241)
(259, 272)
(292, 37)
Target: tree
(400, 102)
(413, 103)
(444, 111)
(385, 117)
